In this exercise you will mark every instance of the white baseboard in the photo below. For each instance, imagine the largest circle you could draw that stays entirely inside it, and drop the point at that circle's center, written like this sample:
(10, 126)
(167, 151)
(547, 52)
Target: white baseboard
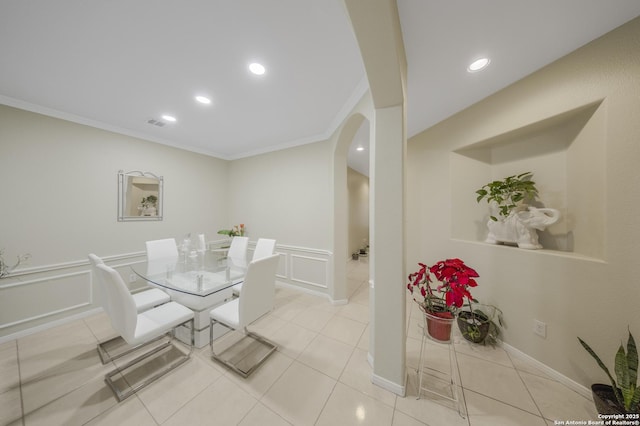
(384, 383)
(571, 384)
(388, 385)
(313, 293)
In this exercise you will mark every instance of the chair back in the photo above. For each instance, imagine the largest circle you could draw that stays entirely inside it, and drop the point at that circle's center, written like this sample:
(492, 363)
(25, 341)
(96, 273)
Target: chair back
(121, 307)
(101, 292)
(158, 249)
(264, 248)
(258, 289)
(238, 251)
(161, 253)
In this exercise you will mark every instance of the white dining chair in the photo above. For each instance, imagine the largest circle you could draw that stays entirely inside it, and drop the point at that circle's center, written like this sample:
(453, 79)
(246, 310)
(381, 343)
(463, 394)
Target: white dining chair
(160, 254)
(160, 249)
(256, 300)
(238, 251)
(237, 257)
(144, 300)
(139, 328)
(264, 247)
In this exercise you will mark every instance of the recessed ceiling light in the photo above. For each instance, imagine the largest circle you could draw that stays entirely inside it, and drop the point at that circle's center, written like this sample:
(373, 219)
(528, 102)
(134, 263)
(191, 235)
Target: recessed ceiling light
(170, 118)
(360, 148)
(203, 100)
(478, 64)
(256, 68)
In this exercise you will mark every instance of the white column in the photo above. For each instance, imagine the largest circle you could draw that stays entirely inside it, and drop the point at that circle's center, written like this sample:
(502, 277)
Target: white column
(387, 342)
(376, 25)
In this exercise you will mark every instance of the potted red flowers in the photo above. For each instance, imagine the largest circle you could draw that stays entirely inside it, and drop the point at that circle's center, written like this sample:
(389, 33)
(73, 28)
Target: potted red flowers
(439, 304)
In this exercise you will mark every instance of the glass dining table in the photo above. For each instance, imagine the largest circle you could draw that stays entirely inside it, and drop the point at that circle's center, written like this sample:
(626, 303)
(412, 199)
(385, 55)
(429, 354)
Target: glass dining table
(199, 280)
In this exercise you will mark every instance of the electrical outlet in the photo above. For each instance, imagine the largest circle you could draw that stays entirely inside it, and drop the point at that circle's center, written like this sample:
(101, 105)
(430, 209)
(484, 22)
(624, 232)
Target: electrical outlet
(540, 328)
(133, 278)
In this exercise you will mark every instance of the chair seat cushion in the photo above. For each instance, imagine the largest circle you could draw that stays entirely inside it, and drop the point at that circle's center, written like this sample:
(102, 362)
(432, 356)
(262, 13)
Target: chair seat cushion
(157, 321)
(147, 299)
(227, 314)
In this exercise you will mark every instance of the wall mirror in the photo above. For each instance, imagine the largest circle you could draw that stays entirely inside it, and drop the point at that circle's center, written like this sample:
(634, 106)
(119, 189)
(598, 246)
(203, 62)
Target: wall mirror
(139, 196)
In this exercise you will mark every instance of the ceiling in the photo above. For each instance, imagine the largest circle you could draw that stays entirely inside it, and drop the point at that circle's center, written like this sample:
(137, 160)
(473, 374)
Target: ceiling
(119, 64)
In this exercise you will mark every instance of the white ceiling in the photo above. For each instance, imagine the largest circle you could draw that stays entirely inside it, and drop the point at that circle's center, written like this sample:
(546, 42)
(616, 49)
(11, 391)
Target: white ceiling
(117, 64)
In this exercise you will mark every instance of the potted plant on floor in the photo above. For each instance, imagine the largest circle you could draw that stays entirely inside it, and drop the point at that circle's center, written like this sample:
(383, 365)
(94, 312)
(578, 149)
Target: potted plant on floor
(622, 396)
(440, 304)
(480, 323)
(511, 220)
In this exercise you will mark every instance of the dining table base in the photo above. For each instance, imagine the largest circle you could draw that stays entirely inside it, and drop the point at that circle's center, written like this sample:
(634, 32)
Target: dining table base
(201, 308)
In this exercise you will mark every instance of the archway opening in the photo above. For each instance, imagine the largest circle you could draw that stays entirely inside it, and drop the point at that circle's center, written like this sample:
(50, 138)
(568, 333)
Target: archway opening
(347, 238)
(358, 207)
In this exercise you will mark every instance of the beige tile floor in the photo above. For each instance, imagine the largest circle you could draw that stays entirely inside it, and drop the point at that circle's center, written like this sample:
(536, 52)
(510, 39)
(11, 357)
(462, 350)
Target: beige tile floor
(318, 376)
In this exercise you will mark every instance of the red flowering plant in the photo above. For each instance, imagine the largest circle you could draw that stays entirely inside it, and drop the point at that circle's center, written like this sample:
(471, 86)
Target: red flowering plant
(454, 279)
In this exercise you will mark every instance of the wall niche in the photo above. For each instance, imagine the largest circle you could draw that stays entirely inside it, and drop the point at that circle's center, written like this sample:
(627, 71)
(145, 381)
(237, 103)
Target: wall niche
(566, 155)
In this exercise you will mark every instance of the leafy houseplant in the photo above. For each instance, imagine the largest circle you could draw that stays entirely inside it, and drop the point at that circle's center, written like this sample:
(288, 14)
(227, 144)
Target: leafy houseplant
(508, 192)
(149, 201)
(481, 323)
(148, 206)
(235, 231)
(454, 279)
(625, 390)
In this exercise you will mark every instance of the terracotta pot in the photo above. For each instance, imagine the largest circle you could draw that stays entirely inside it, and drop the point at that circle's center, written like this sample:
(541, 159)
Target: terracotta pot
(439, 325)
(605, 399)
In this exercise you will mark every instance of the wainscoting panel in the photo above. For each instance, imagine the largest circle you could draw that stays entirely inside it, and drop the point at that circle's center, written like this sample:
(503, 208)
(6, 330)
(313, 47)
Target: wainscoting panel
(306, 268)
(309, 270)
(29, 300)
(42, 296)
(39, 297)
(283, 267)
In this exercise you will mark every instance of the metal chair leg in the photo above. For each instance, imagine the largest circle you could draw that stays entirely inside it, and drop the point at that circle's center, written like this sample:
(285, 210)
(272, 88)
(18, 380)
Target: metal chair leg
(106, 357)
(236, 356)
(121, 395)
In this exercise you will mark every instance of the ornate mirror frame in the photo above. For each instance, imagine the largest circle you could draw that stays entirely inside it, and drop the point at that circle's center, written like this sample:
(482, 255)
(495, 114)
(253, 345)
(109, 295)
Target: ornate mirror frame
(140, 196)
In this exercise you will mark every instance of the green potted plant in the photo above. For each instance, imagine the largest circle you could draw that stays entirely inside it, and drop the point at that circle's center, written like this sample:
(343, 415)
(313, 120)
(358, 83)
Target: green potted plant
(148, 206)
(235, 231)
(508, 192)
(440, 304)
(149, 201)
(480, 323)
(622, 396)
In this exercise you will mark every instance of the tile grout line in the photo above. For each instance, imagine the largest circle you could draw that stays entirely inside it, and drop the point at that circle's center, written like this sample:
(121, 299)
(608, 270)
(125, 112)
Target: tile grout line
(20, 382)
(462, 389)
(527, 388)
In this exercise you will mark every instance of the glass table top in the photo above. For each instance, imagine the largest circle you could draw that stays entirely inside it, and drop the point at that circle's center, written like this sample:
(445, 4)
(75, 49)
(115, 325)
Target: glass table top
(200, 273)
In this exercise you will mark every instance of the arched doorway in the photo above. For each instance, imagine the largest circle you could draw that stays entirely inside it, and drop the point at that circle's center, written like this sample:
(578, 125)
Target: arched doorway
(340, 205)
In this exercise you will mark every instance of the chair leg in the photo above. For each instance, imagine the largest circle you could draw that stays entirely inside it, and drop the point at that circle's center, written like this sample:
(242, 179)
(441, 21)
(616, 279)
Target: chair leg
(121, 395)
(106, 357)
(240, 352)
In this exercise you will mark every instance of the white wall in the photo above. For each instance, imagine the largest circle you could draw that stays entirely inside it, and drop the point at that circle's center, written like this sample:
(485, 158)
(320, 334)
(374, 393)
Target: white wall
(284, 195)
(358, 185)
(588, 289)
(59, 203)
